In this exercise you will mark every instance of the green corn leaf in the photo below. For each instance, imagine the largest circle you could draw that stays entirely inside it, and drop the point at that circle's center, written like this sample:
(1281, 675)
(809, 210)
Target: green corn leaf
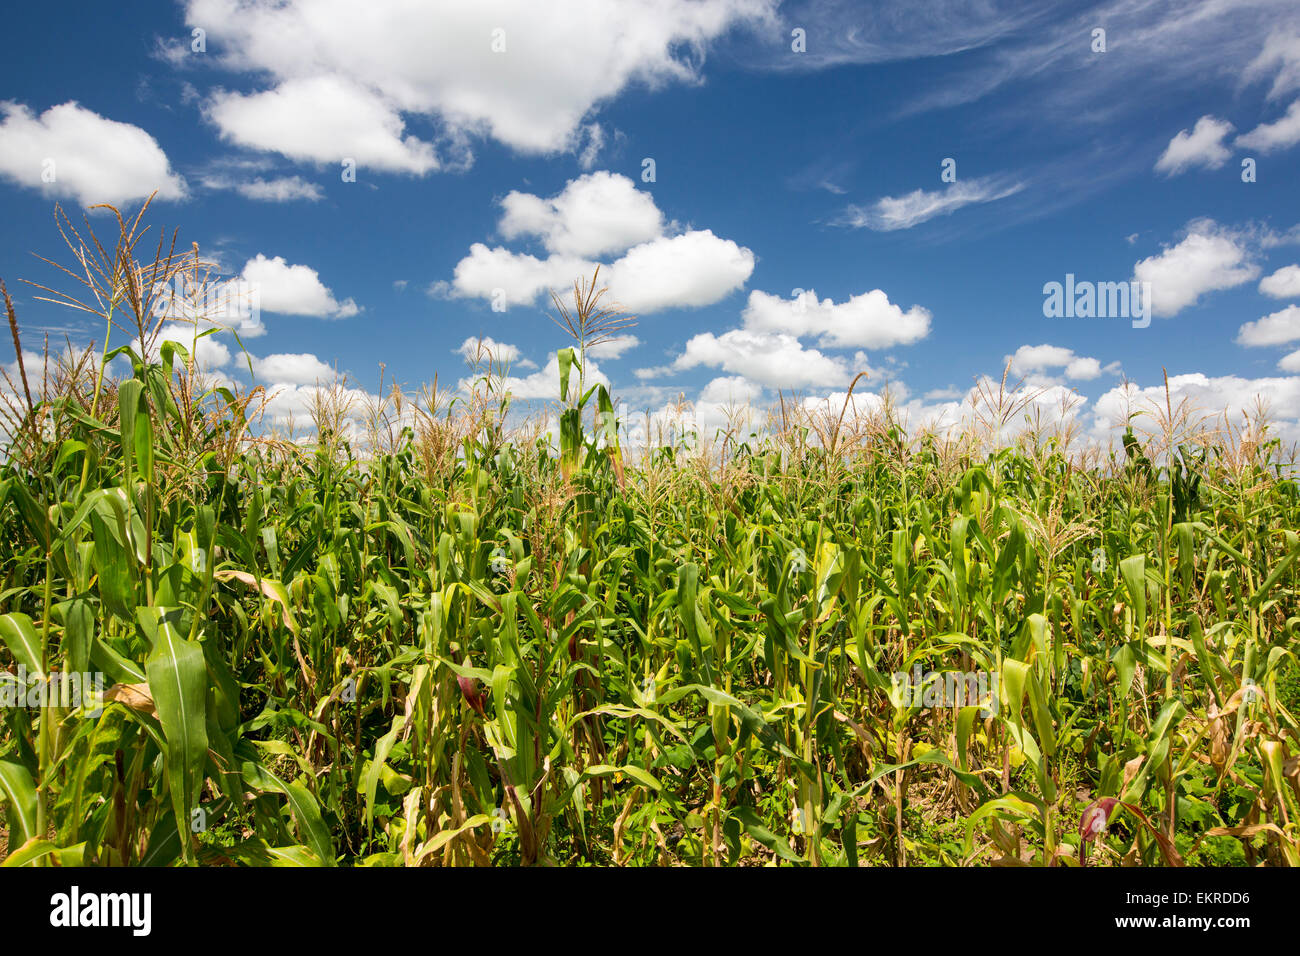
(19, 635)
(20, 797)
(1133, 571)
(177, 677)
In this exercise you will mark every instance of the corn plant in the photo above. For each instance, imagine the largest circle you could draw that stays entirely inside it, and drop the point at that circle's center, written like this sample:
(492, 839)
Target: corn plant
(462, 643)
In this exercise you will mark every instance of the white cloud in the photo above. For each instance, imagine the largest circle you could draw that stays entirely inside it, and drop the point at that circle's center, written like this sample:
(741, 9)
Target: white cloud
(1282, 133)
(289, 368)
(1290, 362)
(1201, 146)
(615, 347)
(1270, 239)
(498, 351)
(868, 320)
(231, 174)
(517, 277)
(1275, 329)
(321, 119)
(903, 212)
(1031, 57)
(953, 414)
(774, 359)
(209, 352)
(1032, 359)
(544, 384)
(595, 135)
(294, 289)
(767, 349)
(694, 269)
(1209, 259)
(1214, 396)
(1281, 53)
(288, 402)
(435, 60)
(730, 390)
(1283, 284)
(947, 393)
(594, 214)
(725, 403)
(95, 160)
(598, 213)
(282, 189)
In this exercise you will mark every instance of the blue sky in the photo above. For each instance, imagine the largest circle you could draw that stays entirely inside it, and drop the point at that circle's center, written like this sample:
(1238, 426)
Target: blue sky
(485, 173)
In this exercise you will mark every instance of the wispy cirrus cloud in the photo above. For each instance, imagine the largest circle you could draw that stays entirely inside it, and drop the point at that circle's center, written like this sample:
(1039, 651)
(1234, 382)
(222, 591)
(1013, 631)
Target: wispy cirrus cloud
(275, 189)
(1280, 58)
(843, 32)
(889, 213)
(1158, 45)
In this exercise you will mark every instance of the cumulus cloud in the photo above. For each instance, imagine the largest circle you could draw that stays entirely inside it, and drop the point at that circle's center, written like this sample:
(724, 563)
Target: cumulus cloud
(1200, 146)
(861, 405)
(294, 289)
(526, 74)
(594, 214)
(71, 151)
(1214, 396)
(1282, 133)
(293, 368)
(694, 269)
(1033, 360)
(767, 348)
(903, 212)
(947, 393)
(487, 347)
(1275, 329)
(290, 403)
(728, 390)
(321, 119)
(868, 320)
(544, 384)
(728, 403)
(509, 278)
(952, 414)
(614, 348)
(208, 352)
(1282, 284)
(774, 359)
(1210, 258)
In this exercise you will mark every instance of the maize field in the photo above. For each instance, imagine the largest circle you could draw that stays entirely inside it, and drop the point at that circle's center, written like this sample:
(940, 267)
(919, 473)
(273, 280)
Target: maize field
(451, 642)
